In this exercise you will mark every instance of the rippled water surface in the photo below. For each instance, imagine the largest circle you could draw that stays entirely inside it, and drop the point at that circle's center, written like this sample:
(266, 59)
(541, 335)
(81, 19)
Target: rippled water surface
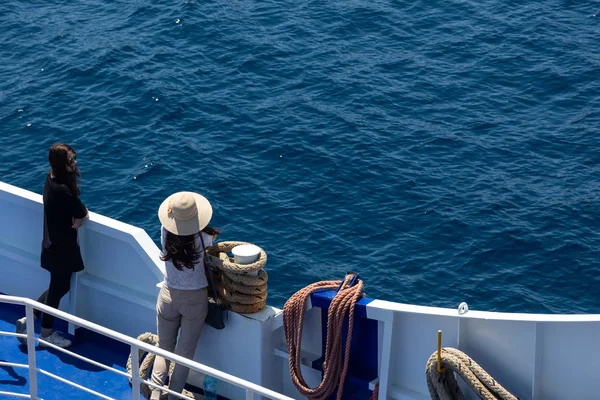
(446, 150)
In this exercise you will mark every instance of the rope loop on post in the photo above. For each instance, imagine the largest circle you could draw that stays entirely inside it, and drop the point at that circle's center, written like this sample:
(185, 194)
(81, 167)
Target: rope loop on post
(443, 385)
(335, 367)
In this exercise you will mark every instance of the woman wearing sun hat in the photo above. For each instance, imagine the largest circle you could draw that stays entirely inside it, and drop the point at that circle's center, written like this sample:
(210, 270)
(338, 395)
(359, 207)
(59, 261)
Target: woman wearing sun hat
(182, 303)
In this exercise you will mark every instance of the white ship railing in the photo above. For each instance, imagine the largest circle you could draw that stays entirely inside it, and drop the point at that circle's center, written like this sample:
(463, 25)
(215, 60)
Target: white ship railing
(134, 344)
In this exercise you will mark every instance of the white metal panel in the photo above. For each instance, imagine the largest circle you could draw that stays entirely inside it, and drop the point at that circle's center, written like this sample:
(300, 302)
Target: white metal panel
(569, 360)
(119, 313)
(21, 225)
(115, 260)
(505, 349)
(22, 275)
(415, 339)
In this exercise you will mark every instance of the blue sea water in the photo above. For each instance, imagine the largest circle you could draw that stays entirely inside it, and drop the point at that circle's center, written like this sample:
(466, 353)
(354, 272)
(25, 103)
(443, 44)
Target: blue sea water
(446, 150)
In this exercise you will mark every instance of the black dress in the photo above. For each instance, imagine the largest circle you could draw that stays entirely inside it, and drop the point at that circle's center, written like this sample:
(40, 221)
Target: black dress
(60, 249)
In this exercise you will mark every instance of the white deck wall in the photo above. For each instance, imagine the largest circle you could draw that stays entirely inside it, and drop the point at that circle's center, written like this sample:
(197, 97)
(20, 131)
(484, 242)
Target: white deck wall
(533, 356)
(118, 287)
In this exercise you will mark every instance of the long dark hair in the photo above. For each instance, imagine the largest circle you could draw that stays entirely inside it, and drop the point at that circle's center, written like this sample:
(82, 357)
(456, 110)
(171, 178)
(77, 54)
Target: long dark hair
(58, 158)
(182, 250)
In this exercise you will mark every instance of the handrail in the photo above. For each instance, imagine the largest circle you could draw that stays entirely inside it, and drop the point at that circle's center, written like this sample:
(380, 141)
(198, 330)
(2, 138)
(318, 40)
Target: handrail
(135, 344)
(22, 396)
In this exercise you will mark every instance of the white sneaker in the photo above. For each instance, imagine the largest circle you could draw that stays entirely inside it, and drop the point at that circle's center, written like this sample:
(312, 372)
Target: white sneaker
(21, 327)
(56, 339)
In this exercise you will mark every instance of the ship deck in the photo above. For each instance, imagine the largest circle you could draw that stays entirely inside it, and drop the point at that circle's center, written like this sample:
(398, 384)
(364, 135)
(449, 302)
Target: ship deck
(86, 343)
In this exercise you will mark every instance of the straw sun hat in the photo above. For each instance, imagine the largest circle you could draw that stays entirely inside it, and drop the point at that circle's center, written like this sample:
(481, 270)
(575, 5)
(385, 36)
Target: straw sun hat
(185, 213)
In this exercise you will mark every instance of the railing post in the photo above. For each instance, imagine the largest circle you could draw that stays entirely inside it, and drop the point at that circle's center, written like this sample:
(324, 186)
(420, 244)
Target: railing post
(31, 358)
(73, 301)
(135, 373)
(249, 394)
(81, 233)
(386, 360)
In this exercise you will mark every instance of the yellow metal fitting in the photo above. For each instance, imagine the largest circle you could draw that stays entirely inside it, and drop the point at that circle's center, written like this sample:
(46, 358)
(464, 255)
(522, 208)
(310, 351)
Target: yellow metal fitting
(439, 353)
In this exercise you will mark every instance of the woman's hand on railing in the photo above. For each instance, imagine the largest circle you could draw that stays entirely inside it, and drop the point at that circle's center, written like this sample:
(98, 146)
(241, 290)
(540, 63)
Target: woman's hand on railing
(77, 222)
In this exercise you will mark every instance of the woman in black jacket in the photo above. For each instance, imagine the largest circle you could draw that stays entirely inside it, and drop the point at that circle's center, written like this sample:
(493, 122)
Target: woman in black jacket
(63, 215)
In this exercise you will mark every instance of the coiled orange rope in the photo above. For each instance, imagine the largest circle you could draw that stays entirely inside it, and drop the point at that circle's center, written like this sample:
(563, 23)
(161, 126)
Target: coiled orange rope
(334, 373)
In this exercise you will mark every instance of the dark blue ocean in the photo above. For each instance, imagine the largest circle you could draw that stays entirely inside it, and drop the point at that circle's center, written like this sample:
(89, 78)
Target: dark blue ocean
(448, 151)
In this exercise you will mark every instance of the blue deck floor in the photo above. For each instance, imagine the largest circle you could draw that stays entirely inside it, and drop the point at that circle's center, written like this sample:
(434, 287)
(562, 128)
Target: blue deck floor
(85, 343)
